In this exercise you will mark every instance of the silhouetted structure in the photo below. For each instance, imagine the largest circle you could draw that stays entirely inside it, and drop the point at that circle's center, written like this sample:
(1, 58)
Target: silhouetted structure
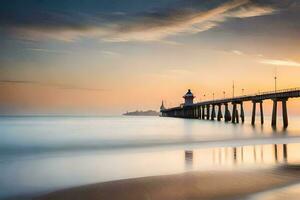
(142, 113)
(162, 107)
(188, 98)
(201, 110)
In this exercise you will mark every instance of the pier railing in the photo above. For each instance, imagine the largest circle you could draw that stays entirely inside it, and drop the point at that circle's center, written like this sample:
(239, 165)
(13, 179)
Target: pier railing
(265, 93)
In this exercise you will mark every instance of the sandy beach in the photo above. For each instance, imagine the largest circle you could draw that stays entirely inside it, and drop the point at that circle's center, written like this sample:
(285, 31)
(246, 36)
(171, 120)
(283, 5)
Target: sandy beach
(190, 185)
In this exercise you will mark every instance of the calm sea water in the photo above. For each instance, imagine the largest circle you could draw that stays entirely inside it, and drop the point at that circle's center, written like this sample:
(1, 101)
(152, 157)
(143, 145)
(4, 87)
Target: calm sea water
(42, 154)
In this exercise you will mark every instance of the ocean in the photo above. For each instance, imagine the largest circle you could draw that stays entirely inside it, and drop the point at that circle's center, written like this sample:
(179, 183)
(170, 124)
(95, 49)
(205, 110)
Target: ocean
(40, 154)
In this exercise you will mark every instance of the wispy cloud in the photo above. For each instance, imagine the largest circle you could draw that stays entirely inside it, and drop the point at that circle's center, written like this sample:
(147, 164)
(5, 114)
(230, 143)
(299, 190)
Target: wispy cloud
(288, 63)
(59, 86)
(48, 51)
(151, 25)
(110, 53)
(251, 11)
(237, 52)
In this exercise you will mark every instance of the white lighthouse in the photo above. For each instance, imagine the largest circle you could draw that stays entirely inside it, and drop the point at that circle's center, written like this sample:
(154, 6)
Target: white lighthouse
(188, 98)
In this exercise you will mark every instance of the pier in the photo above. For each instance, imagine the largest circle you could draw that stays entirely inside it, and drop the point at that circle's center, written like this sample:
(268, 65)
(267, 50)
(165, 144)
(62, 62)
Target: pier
(212, 109)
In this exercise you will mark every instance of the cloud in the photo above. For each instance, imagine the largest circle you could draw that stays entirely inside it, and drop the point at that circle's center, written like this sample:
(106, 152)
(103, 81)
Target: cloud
(237, 52)
(288, 63)
(110, 53)
(59, 86)
(151, 25)
(251, 11)
(48, 51)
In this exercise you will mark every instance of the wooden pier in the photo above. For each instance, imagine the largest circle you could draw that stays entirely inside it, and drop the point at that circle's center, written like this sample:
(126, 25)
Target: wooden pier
(206, 110)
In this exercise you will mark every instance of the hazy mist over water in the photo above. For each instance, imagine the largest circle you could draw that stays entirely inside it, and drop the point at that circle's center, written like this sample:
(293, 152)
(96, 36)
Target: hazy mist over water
(39, 154)
(65, 58)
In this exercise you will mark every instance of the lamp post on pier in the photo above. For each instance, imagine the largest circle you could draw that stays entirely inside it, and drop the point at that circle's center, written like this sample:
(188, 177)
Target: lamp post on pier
(275, 80)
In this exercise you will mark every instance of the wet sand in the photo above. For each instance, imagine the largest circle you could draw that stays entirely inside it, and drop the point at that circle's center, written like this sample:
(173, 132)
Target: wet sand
(185, 186)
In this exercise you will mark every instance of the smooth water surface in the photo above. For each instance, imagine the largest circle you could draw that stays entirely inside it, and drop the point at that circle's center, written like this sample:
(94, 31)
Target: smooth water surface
(40, 154)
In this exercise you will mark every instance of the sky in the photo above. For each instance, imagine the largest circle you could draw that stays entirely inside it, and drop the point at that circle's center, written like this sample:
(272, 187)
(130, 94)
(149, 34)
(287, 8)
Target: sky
(111, 56)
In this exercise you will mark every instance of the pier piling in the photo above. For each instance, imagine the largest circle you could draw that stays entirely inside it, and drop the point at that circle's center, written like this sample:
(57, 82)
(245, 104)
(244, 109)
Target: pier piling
(199, 112)
(220, 116)
(261, 112)
(274, 113)
(242, 113)
(253, 112)
(234, 113)
(237, 116)
(207, 111)
(203, 112)
(213, 113)
(284, 113)
(227, 113)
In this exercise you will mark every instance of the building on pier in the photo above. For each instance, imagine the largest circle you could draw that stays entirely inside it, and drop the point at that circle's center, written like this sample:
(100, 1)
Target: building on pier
(188, 98)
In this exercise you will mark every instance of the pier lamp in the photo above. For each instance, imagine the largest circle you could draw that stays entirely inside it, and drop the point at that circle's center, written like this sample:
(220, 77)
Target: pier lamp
(275, 79)
(275, 82)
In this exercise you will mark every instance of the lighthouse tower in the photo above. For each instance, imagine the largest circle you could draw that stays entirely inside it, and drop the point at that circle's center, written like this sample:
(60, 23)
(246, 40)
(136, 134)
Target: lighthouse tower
(188, 98)
(162, 107)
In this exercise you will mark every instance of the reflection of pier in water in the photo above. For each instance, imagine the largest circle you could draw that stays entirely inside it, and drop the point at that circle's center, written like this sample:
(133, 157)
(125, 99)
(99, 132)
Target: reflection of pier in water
(256, 154)
(188, 154)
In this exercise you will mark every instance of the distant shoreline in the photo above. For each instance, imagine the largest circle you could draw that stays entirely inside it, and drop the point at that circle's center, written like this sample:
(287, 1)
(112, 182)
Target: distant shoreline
(142, 113)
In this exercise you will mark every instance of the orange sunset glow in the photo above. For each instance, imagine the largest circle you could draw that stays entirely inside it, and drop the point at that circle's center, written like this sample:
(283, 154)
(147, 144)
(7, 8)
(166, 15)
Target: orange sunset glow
(101, 70)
